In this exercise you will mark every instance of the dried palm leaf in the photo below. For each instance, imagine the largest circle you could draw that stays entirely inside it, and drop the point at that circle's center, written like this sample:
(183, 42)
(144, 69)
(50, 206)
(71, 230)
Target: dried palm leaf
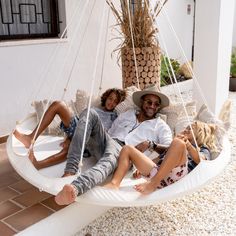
(143, 28)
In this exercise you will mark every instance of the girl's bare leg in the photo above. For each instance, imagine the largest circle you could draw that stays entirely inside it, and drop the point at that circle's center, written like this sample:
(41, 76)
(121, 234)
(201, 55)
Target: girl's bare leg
(175, 156)
(56, 108)
(130, 154)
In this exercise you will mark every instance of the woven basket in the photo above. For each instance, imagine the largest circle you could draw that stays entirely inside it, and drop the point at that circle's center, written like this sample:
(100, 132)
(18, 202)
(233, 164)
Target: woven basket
(148, 64)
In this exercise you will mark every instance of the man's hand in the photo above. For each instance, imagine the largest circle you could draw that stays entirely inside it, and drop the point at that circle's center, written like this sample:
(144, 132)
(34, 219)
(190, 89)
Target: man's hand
(143, 146)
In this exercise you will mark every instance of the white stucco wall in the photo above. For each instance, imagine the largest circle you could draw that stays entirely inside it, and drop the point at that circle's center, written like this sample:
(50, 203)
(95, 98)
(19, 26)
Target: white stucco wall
(183, 25)
(234, 30)
(22, 62)
(213, 49)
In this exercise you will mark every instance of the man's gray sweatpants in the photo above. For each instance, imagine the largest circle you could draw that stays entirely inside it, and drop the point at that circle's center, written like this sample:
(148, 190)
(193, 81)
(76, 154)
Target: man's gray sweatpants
(100, 144)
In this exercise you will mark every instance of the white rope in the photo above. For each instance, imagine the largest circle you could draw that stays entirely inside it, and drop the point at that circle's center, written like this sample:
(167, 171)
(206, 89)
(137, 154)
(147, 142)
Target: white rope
(56, 82)
(185, 57)
(133, 46)
(51, 60)
(178, 88)
(78, 50)
(152, 12)
(71, 49)
(104, 52)
(92, 85)
(170, 76)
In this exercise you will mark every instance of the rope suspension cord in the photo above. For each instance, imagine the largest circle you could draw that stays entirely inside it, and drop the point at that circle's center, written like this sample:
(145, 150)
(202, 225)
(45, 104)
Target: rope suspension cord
(78, 49)
(161, 5)
(162, 40)
(170, 76)
(46, 68)
(68, 53)
(153, 14)
(185, 57)
(179, 92)
(104, 52)
(57, 80)
(92, 85)
(188, 65)
(133, 46)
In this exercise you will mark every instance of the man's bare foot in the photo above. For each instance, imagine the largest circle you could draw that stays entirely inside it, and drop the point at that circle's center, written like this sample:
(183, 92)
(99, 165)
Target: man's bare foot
(66, 173)
(111, 185)
(146, 188)
(66, 196)
(23, 138)
(33, 159)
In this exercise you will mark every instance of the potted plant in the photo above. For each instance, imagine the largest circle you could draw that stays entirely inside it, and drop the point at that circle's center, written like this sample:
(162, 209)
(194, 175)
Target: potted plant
(166, 70)
(232, 81)
(138, 31)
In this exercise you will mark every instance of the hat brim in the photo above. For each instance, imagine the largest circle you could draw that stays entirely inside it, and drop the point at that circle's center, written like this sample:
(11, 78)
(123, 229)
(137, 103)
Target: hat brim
(138, 95)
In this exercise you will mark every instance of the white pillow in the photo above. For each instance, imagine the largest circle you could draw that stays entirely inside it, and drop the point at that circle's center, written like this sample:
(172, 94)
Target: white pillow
(224, 115)
(172, 114)
(205, 115)
(54, 127)
(183, 119)
(128, 102)
(176, 117)
(81, 102)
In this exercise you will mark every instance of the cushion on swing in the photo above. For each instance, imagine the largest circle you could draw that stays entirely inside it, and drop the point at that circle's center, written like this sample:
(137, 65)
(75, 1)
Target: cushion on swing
(76, 107)
(222, 123)
(177, 119)
(81, 102)
(205, 115)
(128, 102)
(53, 128)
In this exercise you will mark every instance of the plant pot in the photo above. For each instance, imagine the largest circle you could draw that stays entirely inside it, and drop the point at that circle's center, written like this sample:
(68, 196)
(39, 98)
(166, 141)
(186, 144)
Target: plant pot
(232, 84)
(148, 64)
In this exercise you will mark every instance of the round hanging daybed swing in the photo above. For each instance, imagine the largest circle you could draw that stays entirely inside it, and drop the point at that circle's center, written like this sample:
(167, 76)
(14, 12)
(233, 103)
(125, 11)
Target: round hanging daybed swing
(49, 179)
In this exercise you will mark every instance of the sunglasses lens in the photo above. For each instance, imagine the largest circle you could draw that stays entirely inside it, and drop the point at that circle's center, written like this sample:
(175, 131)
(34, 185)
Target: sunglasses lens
(150, 103)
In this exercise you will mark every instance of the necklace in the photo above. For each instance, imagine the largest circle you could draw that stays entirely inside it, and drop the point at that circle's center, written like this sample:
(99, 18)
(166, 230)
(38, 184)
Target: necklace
(136, 125)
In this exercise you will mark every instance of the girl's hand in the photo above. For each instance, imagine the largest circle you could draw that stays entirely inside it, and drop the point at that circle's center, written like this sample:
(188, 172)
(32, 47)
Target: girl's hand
(137, 174)
(181, 136)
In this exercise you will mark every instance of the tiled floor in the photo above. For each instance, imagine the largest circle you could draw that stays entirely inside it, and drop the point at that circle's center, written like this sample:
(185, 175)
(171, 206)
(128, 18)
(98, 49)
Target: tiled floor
(21, 204)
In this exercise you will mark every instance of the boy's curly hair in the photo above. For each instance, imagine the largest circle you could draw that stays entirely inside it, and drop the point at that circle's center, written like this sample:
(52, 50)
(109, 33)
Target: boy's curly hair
(121, 94)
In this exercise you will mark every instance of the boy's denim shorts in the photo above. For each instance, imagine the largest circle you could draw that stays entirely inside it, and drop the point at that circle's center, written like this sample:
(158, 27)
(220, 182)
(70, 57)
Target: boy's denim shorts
(71, 129)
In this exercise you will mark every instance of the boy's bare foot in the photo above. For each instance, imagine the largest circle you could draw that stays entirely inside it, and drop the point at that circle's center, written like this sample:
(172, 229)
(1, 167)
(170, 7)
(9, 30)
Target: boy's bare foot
(33, 159)
(23, 138)
(146, 188)
(66, 173)
(66, 196)
(111, 185)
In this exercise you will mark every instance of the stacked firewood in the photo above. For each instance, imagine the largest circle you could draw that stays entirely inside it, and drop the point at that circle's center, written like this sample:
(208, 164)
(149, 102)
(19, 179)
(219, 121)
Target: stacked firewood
(148, 66)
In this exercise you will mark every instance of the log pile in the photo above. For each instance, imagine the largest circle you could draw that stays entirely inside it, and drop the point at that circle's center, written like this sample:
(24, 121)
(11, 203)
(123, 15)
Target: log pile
(148, 65)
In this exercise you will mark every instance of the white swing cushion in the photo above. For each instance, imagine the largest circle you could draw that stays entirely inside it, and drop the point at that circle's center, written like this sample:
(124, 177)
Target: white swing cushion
(49, 180)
